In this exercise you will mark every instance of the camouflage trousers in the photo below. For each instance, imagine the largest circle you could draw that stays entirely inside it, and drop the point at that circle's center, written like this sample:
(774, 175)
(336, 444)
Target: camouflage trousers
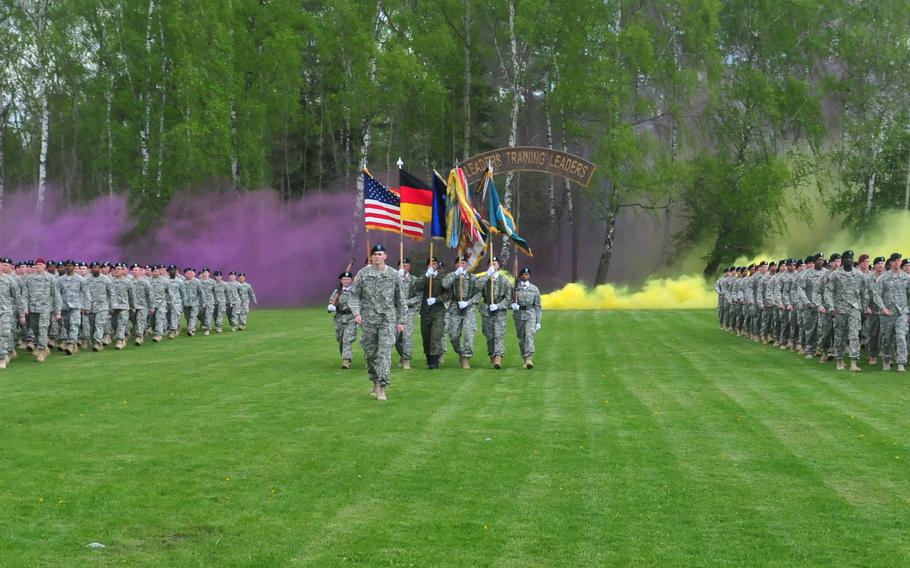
(756, 319)
(377, 341)
(796, 328)
(6, 334)
(159, 320)
(525, 327)
(810, 323)
(70, 325)
(207, 316)
(404, 343)
(142, 321)
(53, 329)
(721, 309)
(220, 308)
(192, 314)
(768, 313)
(345, 334)
(847, 327)
(825, 332)
(873, 334)
(242, 313)
(462, 325)
(38, 326)
(97, 324)
(783, 319)
(432, 331)
(119, 321)
(233, 314)
(894, 338)
(174, 312)
(494, 329)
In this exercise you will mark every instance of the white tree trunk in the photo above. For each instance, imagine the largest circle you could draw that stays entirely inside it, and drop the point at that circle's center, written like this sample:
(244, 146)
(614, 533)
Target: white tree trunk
(144, 135)
(551, 188)
(467, 79)
(514, 87)
(3, 109)
(906, 186)
(42, 157)
(570, 206)
(110, 138)
(159, 173)
(235, 160)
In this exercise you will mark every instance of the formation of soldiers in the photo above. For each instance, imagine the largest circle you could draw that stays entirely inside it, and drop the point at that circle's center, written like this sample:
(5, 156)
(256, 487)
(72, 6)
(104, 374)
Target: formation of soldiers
(72, 305)
(826, 307)
(385, 303)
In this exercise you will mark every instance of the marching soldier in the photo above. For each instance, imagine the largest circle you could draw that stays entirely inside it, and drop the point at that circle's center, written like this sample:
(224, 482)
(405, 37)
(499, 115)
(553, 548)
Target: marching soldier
(464, 293)
(404, 344)
(889, 293)
(121, 297)
(247, 299)
(810, 295)
(233, 300)
(75, 299)
(432, 313)
(527, 312)
(10, 311)
(42, 302)
(160, 297)
(207, 308)
(873, 314)
(343, 318)
(496, 297)
(192, 298)
(826, 320)
(141, 302)
(175, 301)
(219, 291)
(845, 292)
(378, 304)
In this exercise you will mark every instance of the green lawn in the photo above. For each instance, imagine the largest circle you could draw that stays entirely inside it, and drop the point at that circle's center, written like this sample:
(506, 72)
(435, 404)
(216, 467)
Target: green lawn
(641, 438)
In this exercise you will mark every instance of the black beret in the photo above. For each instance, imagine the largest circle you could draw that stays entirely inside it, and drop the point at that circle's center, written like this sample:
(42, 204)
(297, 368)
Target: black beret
(818, 255)
(905, 262)
(345, 275)
(70, 262)
(894, 256)
(377, 248)
(204, 269)
(525, 270)
(800, 262)
(878, 259)
(847, 254)
(404, 260)
(188, 269)
(216, 273)
(494, 259)
(232, 273)
(772, 263)
(6, 260)
(241, 274)
(172, 267)
(134, 265)
(834, 256)
(94, 264)
(763, 263)
(432, 259)
(82, 265)
(461, 258)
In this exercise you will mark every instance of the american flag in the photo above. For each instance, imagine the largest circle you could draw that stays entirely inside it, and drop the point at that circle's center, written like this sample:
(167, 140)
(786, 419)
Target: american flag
(382, 210)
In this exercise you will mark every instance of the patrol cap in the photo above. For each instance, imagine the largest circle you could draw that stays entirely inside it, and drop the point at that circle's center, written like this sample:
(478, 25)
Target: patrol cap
(525, 270)
(847, 254)
(894, 256)
(863, 257)
(344, 275)
(216, 273)
(377, 248)
(878, 259)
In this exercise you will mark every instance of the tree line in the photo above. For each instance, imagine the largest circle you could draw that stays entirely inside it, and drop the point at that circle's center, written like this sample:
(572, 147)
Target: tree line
(716, 112)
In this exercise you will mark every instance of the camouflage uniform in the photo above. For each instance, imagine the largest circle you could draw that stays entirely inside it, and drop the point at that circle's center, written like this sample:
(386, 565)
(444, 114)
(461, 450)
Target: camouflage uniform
(10, 311)
(100, 290)
(462, 322)
(527, 316)
(432, 318)
(825, 320)
(872, 325)
(891, 290)
(404, 343)
(42, 301)
(207, 307)
(784, 335)
(810, 283)
(175, 303)
(232, 295)
(378, 297)
(497, 291)
(846, 292)
(141, 302)
(75, 298)
(159, 297)
(247, 296)
(721, 300)
(343, 320)
(121, 295)
(219, 292)
(192, 298)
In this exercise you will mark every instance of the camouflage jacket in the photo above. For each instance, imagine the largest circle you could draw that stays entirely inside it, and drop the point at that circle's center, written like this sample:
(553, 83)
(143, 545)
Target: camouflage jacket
(378, 296)
(892, 291)
(9, 296)
(527, 296)
(74, 293)
(845, 291)
(41, 294)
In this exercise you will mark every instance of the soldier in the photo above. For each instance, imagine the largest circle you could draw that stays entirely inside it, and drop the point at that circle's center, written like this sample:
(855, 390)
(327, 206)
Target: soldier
(121, 295)
(233, 300)
(404, 343)
(10, 306)
(53, 330)
(343, 318)
(159, 298)
(845, 295)
(207, 308)
(378, 304)
(219, 291)
(247, 298)
(527, 311)
(873, 314)
(721, 301)
(106, 270)
(192, 298)
(782, 299)
(496, 297)
(75, 299)
(432, 313)
(42, 302)
(768, 303)
(101, 289)
(825, 319)
(141, 301)
(461, 286)
(810, 295)
(175, 301)
(890, 295)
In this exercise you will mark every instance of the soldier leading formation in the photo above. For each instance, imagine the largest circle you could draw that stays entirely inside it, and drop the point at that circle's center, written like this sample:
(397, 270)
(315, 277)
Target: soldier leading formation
(73, 305)
(385, 303)
(830, 308)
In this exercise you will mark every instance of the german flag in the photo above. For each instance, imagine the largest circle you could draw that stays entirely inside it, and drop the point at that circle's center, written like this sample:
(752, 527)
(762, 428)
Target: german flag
(416, 198)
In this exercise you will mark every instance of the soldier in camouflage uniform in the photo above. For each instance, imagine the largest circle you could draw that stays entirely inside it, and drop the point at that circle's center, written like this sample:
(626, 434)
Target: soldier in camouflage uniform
(207, 308)
(464, 294)
(404, 343)
(141, 302)
(890, 294)
(378, 304)
(873, 314)
(10, 312)
(343, 318)
(247, 299)
(159, 296)
(75, 299)
(721, 301)
(826, 318)
(432, 313)
(53, 329)
(42, 302)
(845, 294)
(192, 298)
(219, 291)
(527, 312)
(175, 302)
(101, 289)
(496, 297)
(121, 295)
(810, 296)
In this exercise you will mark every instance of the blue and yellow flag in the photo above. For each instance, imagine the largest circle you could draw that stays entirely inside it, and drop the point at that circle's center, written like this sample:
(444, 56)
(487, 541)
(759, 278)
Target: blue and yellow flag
(498, 217)
(438, 222)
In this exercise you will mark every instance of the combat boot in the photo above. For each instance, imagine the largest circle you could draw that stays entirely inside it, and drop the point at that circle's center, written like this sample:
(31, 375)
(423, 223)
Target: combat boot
(824, 358)
(529, 363)
(233, 329)
(465, 362)
(497, 361)
(406, 364)
(440, 360)
(380, 394)
(190, 333)
(12, 354)
(375, 392)
(218, 330)
(886, 365)
(854, 368)
(75, 348)
(900, 368)
(120, 344)
(30, 347)
(106, 340)
(157, 339)
(41, 354)
(84, 343)
(783, 346)
(840, 365)
(139, 340)
(206, 332)
(98, 347)
(872, 360)
(809, 356)
(345, 363)
(433, 362)
(67, 348)
(3, 362)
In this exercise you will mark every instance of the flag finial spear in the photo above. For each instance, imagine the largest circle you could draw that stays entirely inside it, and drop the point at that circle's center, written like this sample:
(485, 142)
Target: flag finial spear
(400, 163)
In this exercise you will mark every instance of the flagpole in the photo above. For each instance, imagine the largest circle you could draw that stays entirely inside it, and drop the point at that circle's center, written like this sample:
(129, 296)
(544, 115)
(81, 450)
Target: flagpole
(517, 214)
(400, 220)
(489, 231)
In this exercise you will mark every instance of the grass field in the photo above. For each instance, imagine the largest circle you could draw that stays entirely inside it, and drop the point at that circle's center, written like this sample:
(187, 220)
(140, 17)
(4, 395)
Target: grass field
(641, 438)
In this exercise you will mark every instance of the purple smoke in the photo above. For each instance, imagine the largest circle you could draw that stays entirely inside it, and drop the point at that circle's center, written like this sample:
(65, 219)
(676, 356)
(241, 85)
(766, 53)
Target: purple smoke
(291, 252)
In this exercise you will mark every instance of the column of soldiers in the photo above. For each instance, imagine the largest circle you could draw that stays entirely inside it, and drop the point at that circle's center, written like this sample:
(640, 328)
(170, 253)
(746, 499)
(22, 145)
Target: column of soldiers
(73, 306)
(822, 307)
(386, 303)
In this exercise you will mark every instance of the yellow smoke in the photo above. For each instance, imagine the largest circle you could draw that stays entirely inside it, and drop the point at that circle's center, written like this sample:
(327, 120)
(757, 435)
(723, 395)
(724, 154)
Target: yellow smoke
(682, 293)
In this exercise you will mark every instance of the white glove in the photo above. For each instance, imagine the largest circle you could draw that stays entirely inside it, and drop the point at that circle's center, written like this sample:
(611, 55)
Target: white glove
(459, 271)
(537, 328)
(515, 306)
(401, 272)
(491, 270)
(431, 301)
(494, 307)
(462, 304)
(495, 275)
(430, 272)
(332, 308)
